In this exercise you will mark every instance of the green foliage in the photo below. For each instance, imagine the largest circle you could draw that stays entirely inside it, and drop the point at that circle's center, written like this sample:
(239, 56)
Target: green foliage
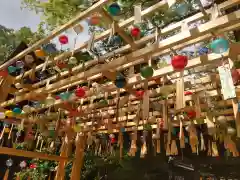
(7, 42)
(96, 167)
(10, 39)
(40, 172)
(161, 64)
(25, 34)
(93, 165)
(56, 12)
(236, 64)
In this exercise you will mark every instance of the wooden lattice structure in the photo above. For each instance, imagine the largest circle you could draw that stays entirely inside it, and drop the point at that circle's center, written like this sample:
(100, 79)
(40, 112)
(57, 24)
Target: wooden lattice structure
(108, 109)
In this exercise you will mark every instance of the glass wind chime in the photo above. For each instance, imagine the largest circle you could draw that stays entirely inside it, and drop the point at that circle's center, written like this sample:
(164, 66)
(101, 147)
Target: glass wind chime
(9, 164)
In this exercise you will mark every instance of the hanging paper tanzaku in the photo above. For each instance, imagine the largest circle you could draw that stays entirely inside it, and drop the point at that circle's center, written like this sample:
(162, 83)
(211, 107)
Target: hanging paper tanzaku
(137, 14)
(228, 88)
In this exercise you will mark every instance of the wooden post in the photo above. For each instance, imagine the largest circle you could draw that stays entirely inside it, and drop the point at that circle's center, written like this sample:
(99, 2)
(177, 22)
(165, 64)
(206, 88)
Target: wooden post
(236, 115)
(30, 154)
(61, 166)
(5, 87)
(79, 157)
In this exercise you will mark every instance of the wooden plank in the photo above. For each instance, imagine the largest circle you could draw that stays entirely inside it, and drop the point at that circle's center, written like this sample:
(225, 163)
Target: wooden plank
(236, 115)
(142, 41)
(110, 75)
(154, 92)
(197, 104)
(128, 65)
(126, 23)
(175, 123)
(79, 158)
(56, 32)
(5, 87)
(125, 37)
(29, 154)
(88, 64)
(123, 60)
(154, 126)
(60, 174)
(132, 97)
(111, 111)
(119, 30)
(203, 29)
(146, 12)
(133, 80)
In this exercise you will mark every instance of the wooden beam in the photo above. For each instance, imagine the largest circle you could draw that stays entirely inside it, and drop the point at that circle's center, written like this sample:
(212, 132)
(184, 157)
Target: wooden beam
(79, 157)
(133, 80)
(182, 37)
(5, 87)
(60, 174)
(154, 126)
(153, 93)
(111, 111)
(112, 88)
(29, 154)
(144, 41)
(125, 37)
(129, 21)
(119, 30)
(128, 65)
(236, 115)
(162, 4)
(129, 121)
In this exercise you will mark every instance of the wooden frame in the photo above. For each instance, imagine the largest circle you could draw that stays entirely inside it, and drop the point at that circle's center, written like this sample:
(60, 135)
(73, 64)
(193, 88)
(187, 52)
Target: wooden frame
(221, 22)
(132, 54)
(29, 154)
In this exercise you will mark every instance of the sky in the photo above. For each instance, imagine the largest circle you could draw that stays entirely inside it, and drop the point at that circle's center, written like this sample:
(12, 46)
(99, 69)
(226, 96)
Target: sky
(13, 16)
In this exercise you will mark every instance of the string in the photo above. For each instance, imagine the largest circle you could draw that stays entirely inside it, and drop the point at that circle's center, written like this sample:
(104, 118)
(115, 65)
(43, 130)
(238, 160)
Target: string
(74, 44)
